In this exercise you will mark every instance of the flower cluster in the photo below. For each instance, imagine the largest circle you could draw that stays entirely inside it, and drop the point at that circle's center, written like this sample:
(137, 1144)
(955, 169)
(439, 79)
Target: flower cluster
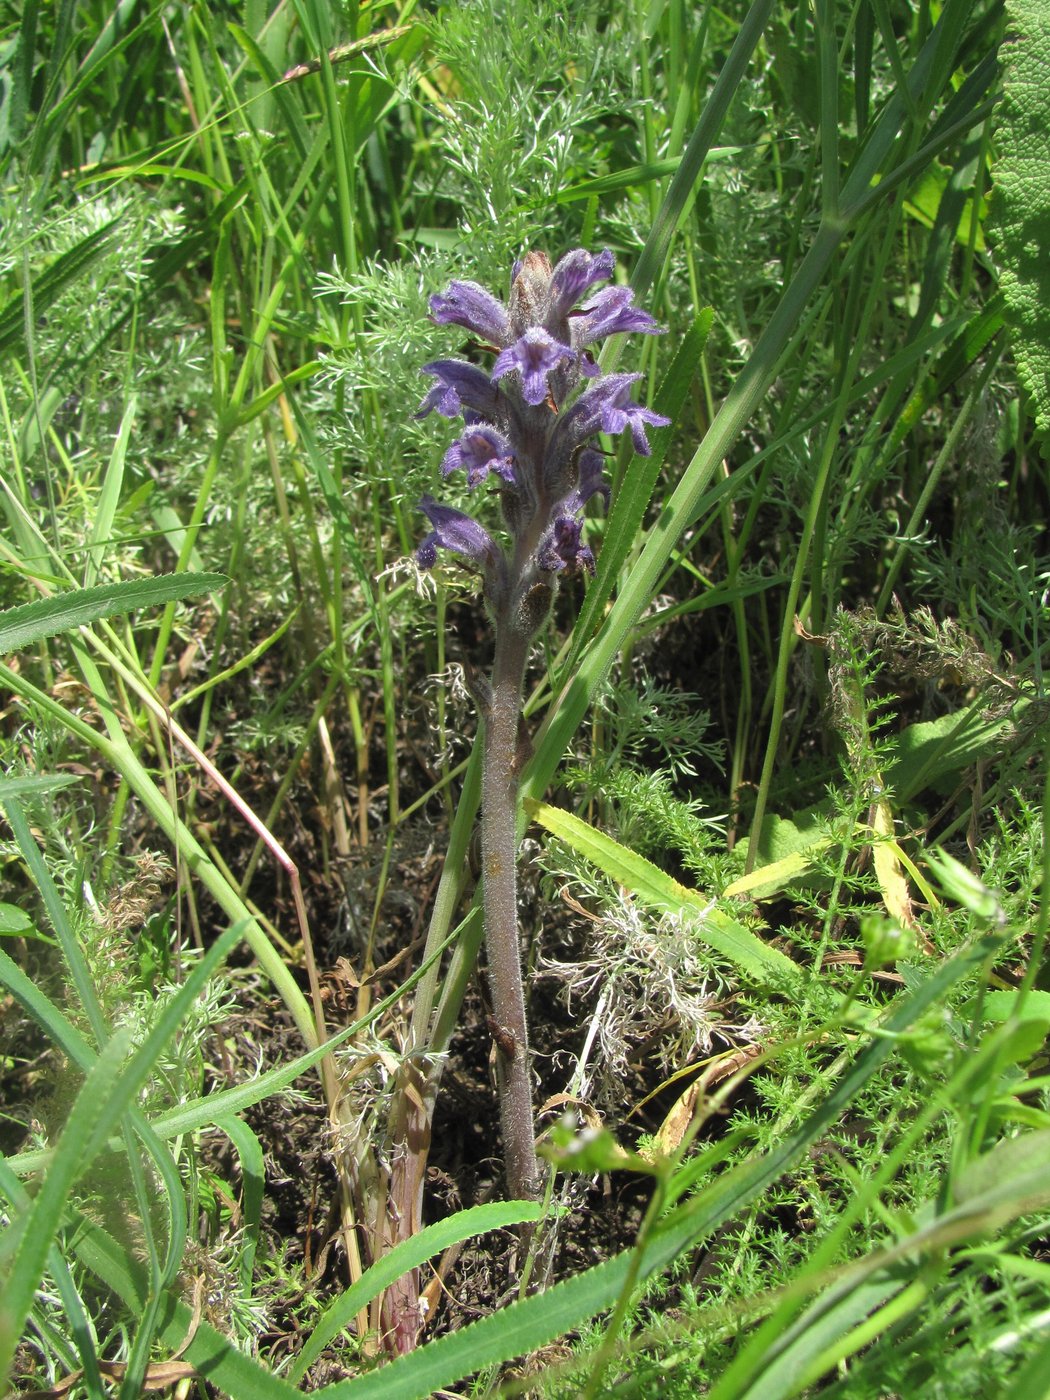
(532, 419)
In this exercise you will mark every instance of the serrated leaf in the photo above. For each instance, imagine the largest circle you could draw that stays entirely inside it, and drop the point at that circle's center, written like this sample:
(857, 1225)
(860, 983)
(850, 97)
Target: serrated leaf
(654, 887)
(22, 626)
(1021, 199)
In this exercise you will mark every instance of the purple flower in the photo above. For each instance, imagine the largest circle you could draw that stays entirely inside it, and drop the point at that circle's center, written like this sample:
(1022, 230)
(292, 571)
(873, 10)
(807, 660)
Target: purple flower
(592, 478)
(479, 451)
(562, 547)
(456, 531)
(607, 405)
(574, 273)
(467, 304)
(458, 383)
(609, 313)
(534, 356)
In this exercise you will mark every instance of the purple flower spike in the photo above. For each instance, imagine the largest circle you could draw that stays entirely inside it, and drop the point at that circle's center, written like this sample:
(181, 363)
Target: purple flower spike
(546, 463)
(533, 423)
(611, 312)
(458, 384)
(534, 356)
(479, 451)
(456, 531)
(467, 304)
(572, 276)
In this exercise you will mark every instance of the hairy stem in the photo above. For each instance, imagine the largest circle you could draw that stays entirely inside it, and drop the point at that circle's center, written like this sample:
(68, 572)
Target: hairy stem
(499, 846)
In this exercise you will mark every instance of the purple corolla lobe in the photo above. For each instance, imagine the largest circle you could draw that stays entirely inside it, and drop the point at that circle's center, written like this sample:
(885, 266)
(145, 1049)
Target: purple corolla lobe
(611, 312)
(607, 406)
(535, 357)
(574, 273)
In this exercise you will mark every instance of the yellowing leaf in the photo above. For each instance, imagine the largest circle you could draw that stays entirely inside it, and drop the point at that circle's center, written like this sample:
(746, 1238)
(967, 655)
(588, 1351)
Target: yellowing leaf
(770, 879)
(895, 893)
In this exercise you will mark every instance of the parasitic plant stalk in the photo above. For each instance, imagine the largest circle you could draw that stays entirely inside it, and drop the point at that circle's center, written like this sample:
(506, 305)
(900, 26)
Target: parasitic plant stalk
(530, 424)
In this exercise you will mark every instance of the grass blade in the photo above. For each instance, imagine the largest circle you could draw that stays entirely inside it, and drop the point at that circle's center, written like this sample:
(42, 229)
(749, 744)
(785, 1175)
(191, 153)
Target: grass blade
(32, 622)
(409, 1255)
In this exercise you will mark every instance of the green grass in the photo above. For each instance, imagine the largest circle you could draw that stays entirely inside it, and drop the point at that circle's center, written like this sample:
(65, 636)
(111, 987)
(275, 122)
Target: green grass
(810, 668)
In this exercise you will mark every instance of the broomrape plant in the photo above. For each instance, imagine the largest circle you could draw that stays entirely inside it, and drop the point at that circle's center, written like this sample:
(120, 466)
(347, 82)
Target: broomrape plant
(531, 425)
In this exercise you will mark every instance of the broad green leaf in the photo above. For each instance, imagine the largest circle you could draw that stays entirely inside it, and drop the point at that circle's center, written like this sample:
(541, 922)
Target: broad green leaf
(732, 940)
(768, 880)
(22, 626)
(1021, 198)
(923, 753)
(13, 920)
(924, 199)
(1001, 1006)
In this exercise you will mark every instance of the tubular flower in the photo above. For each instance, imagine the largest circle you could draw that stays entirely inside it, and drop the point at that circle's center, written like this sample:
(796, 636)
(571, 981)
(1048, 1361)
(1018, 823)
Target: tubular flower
(532, 419)
(479, 451)
(467, 304)
(456, 531)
